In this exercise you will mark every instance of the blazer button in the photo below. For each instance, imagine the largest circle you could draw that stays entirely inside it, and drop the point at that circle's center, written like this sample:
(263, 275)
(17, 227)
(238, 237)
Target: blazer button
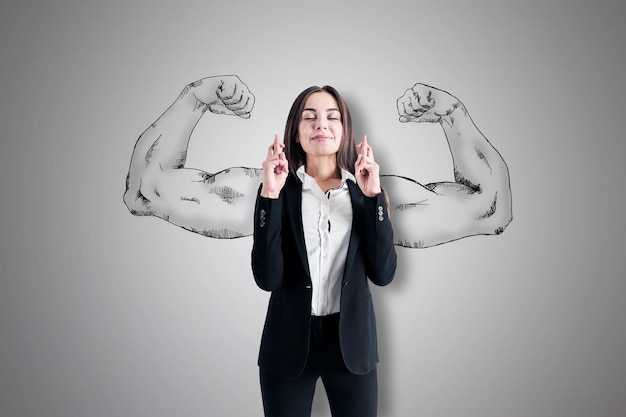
(345, 283)
(262, 215)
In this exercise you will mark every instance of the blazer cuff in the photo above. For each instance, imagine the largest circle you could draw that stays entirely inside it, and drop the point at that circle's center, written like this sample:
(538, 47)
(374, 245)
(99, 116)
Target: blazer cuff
(379, 203)
(268, 211)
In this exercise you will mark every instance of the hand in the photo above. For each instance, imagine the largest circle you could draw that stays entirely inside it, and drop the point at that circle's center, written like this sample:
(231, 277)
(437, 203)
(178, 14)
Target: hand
(366, 170)
(224, 94)
(275, 170)
(423, 103)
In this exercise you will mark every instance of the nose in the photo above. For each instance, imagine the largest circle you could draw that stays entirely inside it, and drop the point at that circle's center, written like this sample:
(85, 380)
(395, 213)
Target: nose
(321, 124)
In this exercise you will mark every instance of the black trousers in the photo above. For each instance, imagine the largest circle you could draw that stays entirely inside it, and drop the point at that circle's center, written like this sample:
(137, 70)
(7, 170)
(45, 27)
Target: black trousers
(349, 395)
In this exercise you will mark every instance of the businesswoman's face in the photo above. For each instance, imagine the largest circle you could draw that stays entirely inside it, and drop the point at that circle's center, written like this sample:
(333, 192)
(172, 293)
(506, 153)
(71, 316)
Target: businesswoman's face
(320, 130)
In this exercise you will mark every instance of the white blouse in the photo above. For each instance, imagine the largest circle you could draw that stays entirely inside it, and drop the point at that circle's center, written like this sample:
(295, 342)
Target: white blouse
(327, 224)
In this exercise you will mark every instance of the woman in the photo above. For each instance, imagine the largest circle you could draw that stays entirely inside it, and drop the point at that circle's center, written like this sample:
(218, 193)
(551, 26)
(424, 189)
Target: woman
(321, 229)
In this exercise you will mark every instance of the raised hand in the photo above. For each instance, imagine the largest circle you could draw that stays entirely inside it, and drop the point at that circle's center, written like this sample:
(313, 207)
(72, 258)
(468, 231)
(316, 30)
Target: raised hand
(423, 103)
(275, 170)
(366, 170)
(223, 94)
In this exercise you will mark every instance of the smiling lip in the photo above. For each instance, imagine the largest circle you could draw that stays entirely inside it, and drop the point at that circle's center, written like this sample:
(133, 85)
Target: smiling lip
(321, 138)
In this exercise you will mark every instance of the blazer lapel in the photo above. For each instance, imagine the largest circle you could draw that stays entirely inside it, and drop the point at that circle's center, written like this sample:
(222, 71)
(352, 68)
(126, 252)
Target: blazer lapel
(356, 198)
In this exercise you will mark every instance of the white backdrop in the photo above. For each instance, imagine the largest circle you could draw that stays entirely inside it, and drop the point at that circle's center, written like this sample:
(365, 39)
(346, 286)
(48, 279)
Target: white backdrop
(107, 314)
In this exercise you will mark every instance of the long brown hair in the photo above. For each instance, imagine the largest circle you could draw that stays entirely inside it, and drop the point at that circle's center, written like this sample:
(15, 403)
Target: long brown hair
(347, 154)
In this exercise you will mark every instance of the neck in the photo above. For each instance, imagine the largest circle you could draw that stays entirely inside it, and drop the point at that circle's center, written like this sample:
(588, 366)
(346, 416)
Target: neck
(322, 169)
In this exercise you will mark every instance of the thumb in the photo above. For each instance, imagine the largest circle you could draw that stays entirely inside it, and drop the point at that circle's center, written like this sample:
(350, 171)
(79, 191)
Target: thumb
(217, 108)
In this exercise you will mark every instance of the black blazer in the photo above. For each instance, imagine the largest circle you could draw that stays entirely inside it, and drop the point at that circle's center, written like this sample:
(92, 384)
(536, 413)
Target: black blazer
(279, 265)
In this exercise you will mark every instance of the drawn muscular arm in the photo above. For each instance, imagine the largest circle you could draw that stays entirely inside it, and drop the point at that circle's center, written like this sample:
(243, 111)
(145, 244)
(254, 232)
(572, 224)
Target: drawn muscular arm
(477, 202)
(158, 184)
(220, 205)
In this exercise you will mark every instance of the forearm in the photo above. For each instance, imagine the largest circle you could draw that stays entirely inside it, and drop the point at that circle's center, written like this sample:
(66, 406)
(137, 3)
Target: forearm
(480, 168)
(165, 142)
(381, 254)
(476, 162)
(267, 256)
(161, 146)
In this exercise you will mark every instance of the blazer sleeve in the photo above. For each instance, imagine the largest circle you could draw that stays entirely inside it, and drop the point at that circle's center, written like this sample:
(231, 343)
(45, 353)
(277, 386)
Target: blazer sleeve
(381, 258)
(267, 256)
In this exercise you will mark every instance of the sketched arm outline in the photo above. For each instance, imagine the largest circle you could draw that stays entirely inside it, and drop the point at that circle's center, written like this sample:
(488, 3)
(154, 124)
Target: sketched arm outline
(479, 200)
(158, 184)
(221, 205)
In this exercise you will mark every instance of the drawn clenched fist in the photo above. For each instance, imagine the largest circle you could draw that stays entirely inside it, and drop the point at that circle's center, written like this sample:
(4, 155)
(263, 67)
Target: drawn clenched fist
(224, 94)
(423, 103)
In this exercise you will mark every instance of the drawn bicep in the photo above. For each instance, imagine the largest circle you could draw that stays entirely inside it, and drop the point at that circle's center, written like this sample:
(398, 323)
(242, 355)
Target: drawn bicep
(430, 215)
(219, 205)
